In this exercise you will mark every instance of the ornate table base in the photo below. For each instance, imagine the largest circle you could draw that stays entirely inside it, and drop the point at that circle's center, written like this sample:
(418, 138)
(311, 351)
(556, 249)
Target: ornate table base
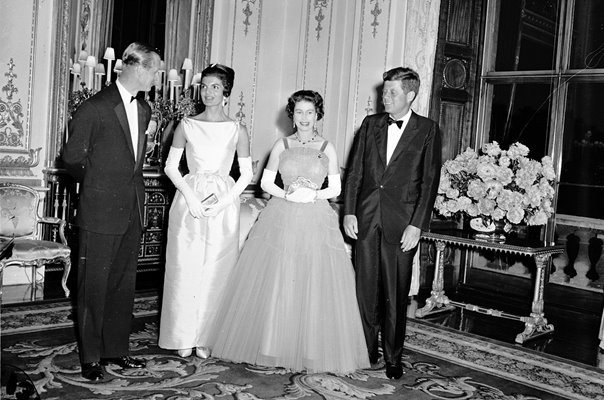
(534, 325)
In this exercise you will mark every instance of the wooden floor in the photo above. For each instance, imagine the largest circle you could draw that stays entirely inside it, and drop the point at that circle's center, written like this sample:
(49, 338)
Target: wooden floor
(576, 317)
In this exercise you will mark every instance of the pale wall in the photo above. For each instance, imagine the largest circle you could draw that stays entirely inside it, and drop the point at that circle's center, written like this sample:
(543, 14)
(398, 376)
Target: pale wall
(339, 48)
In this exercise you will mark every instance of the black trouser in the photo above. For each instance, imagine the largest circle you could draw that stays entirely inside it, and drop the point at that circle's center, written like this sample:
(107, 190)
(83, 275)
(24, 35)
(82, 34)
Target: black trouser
(383, 279)
(106, 284)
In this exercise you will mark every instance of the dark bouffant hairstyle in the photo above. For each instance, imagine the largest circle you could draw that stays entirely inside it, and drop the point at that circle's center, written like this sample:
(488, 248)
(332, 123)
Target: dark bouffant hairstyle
(409, 78)
(305, 95)
(222, 72)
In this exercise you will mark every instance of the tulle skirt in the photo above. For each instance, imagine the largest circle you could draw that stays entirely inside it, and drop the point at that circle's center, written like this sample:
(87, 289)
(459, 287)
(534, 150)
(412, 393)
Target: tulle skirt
(290, 301)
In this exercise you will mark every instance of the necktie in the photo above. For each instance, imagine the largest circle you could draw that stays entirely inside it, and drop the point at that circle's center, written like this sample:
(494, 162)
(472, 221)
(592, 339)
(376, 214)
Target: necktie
(398, 123)
(132, 98)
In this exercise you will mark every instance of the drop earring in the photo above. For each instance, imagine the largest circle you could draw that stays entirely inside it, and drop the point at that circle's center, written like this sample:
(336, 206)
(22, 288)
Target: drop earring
(225, 101)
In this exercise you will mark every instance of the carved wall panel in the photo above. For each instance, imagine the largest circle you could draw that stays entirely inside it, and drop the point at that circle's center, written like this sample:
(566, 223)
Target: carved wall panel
(339, 48)
(17, 157)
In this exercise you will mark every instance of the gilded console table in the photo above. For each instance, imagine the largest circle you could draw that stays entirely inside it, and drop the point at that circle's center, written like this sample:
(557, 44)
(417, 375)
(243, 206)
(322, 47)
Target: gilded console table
(535, 324)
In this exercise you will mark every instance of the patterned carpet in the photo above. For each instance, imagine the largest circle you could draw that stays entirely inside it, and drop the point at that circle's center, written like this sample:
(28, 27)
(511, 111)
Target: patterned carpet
(440, 364)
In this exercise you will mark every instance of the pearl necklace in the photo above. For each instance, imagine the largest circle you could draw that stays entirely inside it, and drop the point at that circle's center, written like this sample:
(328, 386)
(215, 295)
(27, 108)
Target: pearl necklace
(312, 139)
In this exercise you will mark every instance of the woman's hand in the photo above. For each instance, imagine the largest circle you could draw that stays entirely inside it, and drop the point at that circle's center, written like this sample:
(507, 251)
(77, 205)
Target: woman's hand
(302, 195)
(194, 204)
(216, 208)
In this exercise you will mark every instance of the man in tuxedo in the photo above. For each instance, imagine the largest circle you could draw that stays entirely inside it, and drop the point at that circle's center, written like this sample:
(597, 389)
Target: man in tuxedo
(391, 184)
(105, 152)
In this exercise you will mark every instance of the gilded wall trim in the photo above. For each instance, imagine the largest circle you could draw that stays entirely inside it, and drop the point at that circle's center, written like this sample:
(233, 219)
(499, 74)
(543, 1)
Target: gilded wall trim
(18, 158)
(60, 84)
(248, 11)
(376, 11)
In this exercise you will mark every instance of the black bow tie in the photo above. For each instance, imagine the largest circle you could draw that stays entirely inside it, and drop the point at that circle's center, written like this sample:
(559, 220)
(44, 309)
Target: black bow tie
(139, 96)
(398, 123)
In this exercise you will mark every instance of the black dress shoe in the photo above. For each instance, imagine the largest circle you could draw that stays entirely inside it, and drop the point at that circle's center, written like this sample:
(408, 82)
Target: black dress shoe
(377, 364)
(124, 362)
(92, 371)
(394, 371)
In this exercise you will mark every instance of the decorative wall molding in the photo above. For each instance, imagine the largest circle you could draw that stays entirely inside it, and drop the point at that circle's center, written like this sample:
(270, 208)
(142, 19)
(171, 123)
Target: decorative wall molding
(250, 10)
(339, 48)
(19, 165)
(16, 157)
(12, 133)
(60, 83)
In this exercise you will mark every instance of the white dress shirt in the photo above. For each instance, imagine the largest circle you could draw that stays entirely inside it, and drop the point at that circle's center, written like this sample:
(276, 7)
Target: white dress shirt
(131, 112)
(394, 135)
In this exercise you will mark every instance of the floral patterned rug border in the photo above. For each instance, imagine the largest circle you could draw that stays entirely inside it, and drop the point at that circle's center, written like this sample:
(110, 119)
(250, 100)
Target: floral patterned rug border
(547, 373)
(31, 318)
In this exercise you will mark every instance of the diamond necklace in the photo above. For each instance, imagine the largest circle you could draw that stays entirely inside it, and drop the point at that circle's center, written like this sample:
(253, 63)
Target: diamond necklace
(312, 139)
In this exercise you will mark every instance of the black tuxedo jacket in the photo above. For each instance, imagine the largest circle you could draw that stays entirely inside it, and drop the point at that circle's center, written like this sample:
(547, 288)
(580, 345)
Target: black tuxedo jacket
(100, 155)
(398, 194)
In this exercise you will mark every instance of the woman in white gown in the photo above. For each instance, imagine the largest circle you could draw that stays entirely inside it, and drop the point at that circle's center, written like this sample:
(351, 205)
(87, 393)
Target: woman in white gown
(203, 240)
(290, 301)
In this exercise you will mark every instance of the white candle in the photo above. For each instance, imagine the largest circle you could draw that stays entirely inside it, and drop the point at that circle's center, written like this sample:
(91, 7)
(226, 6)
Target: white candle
(171, 84)
(196, 81)
(118, 67)
(187, 66)
(99, 71)
(109, 56)
(195, 91)
(90, 64)
(172, 79)
(178, 88)
(75, 70)
(82, 61)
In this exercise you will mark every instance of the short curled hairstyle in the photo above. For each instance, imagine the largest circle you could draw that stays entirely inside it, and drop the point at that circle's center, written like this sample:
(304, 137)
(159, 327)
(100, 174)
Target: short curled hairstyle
(305, 95)
(222, 72)
(409, 78)
(138, 53)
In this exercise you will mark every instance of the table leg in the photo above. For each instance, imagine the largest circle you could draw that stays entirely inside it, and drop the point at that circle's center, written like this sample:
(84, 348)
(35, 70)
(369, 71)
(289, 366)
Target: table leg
(437, 298)
(536, 324)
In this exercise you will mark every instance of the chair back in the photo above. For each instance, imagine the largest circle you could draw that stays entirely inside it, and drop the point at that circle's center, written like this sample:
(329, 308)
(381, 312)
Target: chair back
(18, 211)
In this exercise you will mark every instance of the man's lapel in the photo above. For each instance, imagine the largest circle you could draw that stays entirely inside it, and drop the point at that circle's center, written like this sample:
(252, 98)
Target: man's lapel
(120, 112)
(142, 138)
(381, 138)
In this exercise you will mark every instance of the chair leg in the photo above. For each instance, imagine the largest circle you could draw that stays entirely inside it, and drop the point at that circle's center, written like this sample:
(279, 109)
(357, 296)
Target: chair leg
(66, 269)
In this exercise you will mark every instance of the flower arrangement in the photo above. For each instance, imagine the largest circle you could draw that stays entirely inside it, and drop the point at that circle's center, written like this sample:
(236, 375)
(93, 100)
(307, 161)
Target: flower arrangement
(77, 97)
(497, 185)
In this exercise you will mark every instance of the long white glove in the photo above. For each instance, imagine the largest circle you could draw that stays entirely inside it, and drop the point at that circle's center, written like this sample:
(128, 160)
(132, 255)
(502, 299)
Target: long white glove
(308, 195)
(171, 170)
(245, 177)
(267, 183)
(333, 189)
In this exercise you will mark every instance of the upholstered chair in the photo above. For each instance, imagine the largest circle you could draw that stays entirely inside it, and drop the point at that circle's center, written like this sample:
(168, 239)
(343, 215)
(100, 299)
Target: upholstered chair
(19, 219)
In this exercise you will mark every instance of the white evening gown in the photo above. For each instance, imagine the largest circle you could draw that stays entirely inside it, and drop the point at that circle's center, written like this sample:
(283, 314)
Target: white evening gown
(200, 252)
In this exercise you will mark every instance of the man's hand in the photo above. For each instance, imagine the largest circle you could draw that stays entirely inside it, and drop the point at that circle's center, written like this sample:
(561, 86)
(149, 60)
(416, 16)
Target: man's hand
(351, 226)
(410, 237)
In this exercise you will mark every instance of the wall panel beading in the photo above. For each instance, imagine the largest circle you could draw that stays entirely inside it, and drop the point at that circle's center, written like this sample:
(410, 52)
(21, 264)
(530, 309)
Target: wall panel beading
(338, 47)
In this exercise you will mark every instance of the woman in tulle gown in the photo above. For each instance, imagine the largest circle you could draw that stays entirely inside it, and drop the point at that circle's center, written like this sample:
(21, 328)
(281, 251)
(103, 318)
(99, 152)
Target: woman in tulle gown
(290, 301)
(203, 238)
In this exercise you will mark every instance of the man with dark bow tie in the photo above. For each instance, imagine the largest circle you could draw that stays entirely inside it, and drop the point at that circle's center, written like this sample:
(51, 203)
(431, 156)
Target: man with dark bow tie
(105, 152)
(391, 184)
